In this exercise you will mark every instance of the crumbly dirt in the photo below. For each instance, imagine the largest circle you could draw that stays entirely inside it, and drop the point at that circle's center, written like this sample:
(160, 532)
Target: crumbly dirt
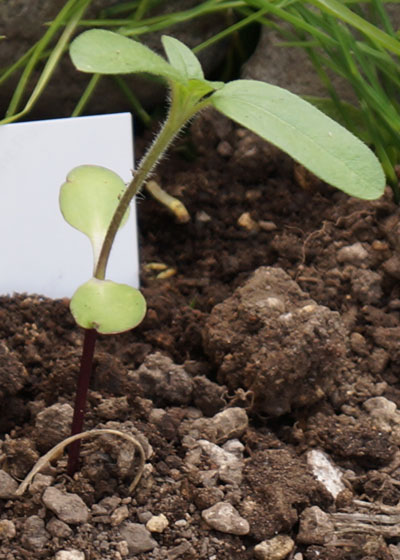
(281, 304)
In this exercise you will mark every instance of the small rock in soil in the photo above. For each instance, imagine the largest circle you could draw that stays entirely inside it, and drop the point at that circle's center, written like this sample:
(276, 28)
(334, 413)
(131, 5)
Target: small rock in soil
(119, 515)
(157, 523)
(70, 555)
(70, 508)
(325, 471)
(354, 254)
(163, 381)
(383, 411)
(139, 539)
(230, 423)
(40, 483)
(58, 528)
(34, 535)
(53, 424)
(230, 466)
(316, 527)
(277, 548)
(270, 339)
(223, 517)
(7, 529)
(8, 485)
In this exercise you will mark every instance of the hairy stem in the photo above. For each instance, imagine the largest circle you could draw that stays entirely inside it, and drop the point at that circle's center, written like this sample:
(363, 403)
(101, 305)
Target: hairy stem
(181, 111)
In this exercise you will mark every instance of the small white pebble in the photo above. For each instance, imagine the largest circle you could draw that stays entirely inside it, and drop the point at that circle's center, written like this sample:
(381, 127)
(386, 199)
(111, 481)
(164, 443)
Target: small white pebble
(181, 523)
(157, 523)
(70, 555)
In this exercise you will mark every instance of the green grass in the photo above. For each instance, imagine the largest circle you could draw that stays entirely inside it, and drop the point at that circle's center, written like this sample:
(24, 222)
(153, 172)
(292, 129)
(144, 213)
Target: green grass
(356, 41)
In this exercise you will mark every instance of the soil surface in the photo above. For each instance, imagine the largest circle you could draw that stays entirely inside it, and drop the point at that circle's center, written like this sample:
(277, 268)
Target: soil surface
(262, 385)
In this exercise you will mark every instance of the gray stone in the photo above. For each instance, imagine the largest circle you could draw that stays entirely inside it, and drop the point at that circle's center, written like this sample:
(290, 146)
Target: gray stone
(139, 539)
(224, 517)
(352, 254)
(228, 424)
(34, 534)
(8, 485)
(384, 413)
(40, 483)
(230, 466)
(58, 528)
(277, 548)
(163, 381)
(7, 529)
(70, 508)
(316, 527)
(53, 424)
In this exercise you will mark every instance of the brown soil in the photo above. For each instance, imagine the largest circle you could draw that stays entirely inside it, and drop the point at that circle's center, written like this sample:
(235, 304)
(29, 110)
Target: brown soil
(301, 347)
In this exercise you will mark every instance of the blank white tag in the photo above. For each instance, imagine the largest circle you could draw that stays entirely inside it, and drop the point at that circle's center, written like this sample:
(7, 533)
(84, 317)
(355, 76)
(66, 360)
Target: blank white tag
(39, 252)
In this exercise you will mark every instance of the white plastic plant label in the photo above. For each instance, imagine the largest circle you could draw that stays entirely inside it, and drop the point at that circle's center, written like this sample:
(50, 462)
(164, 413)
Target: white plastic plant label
(39, 252)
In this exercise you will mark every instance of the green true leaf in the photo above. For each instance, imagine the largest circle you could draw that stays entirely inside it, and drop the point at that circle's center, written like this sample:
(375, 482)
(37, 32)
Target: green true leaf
(108, 307)
(310, 137)
(355, 117)
(88, 200)
(182, 58)
(104, 52)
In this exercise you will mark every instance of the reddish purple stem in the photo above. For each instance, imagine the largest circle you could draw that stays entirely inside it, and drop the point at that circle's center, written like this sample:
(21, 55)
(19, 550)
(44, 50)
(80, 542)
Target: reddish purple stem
(89, 343)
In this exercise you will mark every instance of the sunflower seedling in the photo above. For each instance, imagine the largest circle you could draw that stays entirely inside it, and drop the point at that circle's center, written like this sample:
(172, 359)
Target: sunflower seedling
(95, 200)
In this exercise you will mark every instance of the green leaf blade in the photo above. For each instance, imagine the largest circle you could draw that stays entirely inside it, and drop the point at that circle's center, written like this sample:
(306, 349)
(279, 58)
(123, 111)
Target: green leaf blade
(182, 58)
(107, 306)
(99, 51)
(310, 137)
(88, 200)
